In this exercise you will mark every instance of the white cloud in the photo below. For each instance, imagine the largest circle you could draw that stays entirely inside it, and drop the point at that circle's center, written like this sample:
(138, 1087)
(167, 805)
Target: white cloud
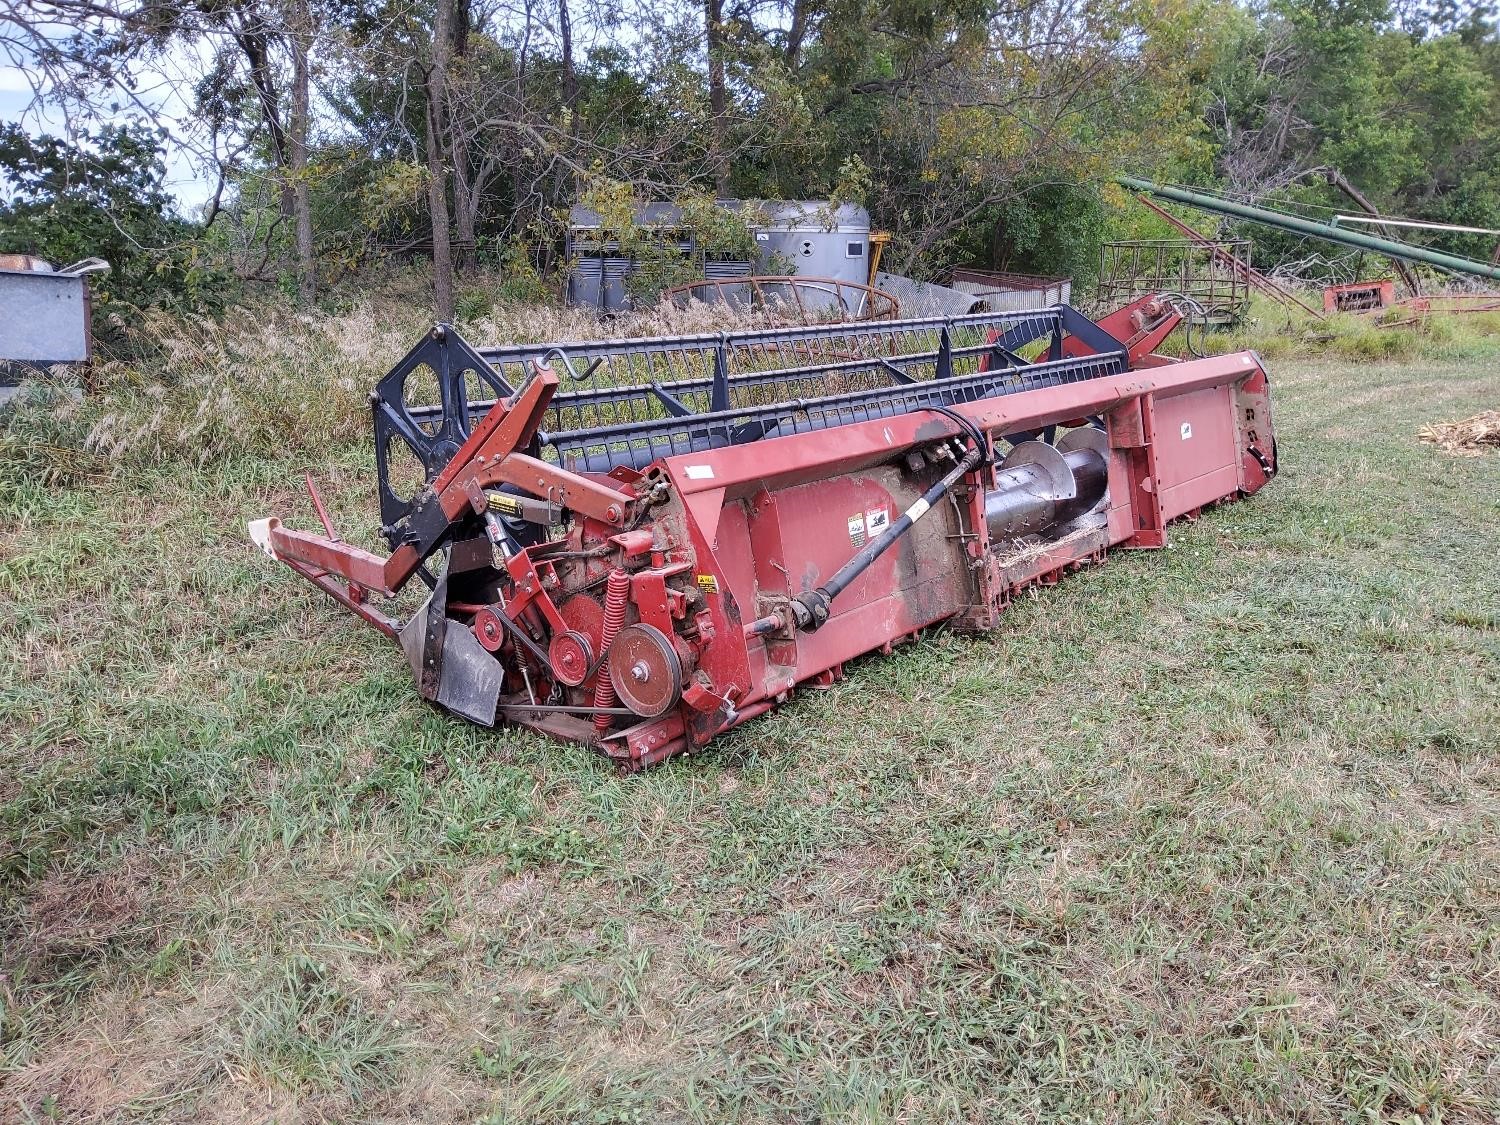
(14, 80)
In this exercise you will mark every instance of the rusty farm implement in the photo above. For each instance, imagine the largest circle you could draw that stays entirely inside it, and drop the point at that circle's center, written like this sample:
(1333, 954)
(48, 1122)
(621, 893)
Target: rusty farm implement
(641, 544)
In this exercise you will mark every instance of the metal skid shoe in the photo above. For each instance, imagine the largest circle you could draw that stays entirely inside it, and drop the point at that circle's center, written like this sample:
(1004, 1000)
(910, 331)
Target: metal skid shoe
(452, 668)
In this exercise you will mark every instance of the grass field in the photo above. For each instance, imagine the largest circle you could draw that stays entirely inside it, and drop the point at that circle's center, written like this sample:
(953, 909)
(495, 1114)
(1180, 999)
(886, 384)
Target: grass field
(1207, 834)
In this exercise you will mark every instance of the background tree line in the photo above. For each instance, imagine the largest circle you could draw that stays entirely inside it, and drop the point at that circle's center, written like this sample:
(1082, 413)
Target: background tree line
(984, 132)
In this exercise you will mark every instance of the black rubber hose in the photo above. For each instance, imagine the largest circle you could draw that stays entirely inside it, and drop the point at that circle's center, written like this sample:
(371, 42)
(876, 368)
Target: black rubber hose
(976, 435)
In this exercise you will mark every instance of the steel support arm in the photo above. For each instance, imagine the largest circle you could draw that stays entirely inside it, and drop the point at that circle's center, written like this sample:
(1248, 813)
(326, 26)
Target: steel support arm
(1355, 239)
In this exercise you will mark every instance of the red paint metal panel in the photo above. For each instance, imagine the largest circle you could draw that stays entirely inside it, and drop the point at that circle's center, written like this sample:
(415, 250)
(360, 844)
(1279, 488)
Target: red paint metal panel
(864, 626)
(1198, 452)
(1188, 498)
(803, 458)
(815, 521)
(919, 582)
(1195, 432)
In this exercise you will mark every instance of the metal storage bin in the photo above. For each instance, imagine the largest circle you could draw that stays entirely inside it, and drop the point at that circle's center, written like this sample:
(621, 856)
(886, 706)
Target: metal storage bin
(818, 239)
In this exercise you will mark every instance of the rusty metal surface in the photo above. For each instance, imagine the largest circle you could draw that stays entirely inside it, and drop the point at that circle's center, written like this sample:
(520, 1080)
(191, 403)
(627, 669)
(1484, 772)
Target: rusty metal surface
(1002, 291)
(1224, 256)
(1359, 296)
(1215, 275)
(646, 670)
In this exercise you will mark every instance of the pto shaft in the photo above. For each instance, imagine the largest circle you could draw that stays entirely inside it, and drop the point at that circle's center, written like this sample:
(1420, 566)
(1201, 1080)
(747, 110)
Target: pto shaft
(811, 609)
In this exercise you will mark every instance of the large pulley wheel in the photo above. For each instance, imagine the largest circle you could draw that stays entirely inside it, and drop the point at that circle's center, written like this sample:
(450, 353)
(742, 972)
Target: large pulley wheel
(645, 670)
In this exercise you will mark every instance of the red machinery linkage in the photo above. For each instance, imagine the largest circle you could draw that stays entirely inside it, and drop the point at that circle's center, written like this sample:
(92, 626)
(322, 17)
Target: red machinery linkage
(647, 560)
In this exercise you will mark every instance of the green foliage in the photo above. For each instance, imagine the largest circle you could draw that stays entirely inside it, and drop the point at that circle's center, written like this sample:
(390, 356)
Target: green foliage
(303, 1029)
(471, 304)
(853, 183)
(520, 280)
(1276, 335)
(1409, 115)
(975, 140)
(1052, 229)
(714, 231)
(978, 133)
(104, 198)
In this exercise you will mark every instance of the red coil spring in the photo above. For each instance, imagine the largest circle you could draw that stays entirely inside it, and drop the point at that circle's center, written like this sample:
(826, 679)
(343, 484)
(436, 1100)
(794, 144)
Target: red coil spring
(616, 593)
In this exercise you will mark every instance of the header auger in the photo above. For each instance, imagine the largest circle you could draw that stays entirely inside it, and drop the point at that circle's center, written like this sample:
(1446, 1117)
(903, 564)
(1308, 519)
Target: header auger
(675, 534)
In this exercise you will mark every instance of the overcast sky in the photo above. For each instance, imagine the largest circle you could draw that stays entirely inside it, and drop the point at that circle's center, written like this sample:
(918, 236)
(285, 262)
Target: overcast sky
(184, 180)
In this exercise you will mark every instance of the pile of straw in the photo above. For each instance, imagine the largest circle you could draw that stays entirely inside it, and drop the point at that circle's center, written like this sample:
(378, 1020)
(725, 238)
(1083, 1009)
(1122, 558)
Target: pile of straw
(1471, 436)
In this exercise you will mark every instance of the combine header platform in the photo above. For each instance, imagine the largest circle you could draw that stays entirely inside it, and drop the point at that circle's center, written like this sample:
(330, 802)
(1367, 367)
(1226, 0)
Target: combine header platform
(640, 544)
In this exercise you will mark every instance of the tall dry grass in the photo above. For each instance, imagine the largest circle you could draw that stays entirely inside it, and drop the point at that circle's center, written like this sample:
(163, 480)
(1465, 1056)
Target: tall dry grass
(1396, 336)
(263, 380)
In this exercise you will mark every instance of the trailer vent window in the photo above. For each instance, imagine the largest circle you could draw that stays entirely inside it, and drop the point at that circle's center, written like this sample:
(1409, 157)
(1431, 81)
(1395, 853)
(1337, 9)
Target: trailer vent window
(854, 250)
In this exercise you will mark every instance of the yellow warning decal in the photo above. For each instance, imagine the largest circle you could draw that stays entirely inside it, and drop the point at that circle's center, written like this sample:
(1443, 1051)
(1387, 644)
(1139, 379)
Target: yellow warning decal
(500, 502)
(708, 583)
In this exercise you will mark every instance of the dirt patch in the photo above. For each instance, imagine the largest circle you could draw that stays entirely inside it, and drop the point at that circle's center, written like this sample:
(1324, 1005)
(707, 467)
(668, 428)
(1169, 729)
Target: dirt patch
(69, 915)
(132, 1048)
(1469, 437)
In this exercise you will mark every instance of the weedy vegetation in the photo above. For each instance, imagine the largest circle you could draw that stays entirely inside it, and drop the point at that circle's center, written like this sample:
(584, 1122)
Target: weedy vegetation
(1206, 834)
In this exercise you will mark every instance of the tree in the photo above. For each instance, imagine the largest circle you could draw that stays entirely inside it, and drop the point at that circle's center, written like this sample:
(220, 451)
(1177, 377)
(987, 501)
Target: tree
(1325, 102)
(436, 78)
(718, 96)
(300, 40)
(978, 131)
(254, 48)
(103, 197)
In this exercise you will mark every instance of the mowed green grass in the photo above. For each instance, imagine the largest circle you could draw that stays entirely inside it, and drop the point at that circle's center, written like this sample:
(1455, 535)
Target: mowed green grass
(1206, 834)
